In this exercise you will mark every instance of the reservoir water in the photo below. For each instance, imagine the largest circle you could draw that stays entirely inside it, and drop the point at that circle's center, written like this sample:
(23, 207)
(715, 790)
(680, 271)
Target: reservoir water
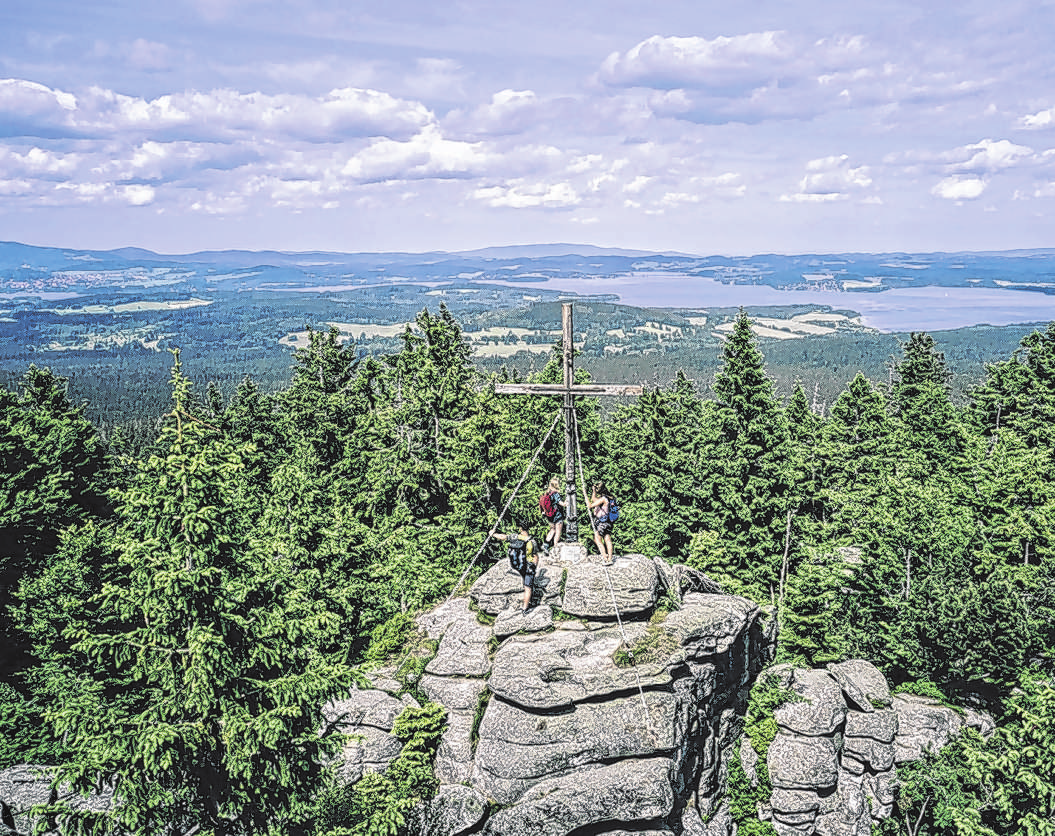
(900, 309)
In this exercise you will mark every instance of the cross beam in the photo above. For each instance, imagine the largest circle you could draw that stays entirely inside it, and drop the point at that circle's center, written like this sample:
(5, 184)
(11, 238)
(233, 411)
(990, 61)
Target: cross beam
(569, 390)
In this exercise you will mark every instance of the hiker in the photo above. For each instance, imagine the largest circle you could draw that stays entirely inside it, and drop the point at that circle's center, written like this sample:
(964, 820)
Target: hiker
(602, 507)
(523, 551)
(554, 510)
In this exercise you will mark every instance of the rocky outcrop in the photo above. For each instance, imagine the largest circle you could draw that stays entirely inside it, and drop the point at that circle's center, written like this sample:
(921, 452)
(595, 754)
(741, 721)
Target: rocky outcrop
(366, 716)
(831, 764)
(25, 786)
(553, 729)
(630, 585)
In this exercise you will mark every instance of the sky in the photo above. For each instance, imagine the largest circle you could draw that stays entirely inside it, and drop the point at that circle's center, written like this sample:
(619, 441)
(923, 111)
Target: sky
(683, 125)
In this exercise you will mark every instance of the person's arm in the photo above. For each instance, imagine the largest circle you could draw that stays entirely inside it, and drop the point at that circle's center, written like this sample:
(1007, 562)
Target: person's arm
(499, 536)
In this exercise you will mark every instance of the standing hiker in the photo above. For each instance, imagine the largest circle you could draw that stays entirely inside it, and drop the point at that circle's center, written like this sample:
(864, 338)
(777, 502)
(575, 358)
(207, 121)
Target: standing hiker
(605, 513)
(554, 510)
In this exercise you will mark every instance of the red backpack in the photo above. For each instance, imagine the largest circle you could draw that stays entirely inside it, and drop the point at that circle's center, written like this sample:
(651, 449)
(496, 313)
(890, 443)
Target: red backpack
(545, 502)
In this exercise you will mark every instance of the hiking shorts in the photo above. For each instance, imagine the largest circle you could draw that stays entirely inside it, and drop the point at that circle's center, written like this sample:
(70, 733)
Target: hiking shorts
(558, 517)
(603, 527)
(529, 575)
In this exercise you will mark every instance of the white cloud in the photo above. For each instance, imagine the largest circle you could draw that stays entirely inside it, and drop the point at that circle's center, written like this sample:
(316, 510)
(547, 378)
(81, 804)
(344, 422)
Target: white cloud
(426, 155)
(343, 113)
(38, 162)
(673, 62)
(13, 188)
(829, 179)
(760, 76)
(960, 188)
(988, 155)
(136, 194)
(1041, 119)
(524, 196)
(509, 112)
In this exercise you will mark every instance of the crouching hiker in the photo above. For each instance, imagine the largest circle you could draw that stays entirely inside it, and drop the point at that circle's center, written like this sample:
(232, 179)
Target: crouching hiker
(523, 557)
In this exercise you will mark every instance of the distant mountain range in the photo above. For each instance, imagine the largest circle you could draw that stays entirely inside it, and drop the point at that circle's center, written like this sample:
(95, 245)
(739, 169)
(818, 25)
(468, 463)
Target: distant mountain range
(26, 269)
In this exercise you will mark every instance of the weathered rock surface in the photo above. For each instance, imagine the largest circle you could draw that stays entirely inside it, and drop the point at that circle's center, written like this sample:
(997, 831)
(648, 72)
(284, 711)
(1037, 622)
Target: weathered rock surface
(923, 725)
(558, 669)
(708, 625)
(594, 591)
(819, 712)
(802, 763)
(833, 772)
(367, 716)
(454, 758)
(436, 621)
(881, 725)
(518, 748)
(455, 810)
(621, 793)
(515, 620)
(501, 587)
(863, 683)
(26, 785)
(464, 650)
(22, 787)
(568, 740)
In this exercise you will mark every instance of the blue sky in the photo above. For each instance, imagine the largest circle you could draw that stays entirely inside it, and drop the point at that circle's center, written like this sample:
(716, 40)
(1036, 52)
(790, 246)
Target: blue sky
(694, 126)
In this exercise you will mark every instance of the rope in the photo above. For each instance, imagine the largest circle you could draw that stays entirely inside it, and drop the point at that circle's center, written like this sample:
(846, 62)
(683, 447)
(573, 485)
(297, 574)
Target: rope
(512, 496)
(608, 577)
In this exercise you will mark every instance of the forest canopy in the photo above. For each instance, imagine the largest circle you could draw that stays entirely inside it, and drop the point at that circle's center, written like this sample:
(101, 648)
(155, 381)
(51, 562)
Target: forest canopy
(177, 615)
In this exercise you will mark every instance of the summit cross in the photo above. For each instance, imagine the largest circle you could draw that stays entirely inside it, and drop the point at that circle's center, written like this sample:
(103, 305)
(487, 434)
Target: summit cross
(569, 390)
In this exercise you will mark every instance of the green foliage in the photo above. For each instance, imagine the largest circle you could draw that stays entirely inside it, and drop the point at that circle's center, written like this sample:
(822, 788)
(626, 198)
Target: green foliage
(377, 804)
(202, 662)
(656, 645)
(53, 472)
(923, 688)
(390, 637)
(1012, 775)
(760, 728)
(745, 474)
(265, 545)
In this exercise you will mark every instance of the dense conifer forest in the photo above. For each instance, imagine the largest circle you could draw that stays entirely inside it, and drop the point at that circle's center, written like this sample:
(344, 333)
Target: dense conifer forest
(177, 612)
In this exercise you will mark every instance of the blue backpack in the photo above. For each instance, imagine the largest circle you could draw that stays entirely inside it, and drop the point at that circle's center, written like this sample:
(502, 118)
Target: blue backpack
(613, 510)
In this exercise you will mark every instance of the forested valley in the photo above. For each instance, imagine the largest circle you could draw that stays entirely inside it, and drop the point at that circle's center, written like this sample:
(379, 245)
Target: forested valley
(177, 615)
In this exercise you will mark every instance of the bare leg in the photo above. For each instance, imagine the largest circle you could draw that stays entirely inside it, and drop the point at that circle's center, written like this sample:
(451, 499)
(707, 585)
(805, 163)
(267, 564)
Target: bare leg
(558, 529)
(600, 544)
(611, 550)
(527, 596)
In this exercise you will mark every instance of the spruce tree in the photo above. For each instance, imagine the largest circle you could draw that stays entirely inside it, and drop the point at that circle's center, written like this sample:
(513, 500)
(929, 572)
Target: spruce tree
(201, 663)
(655, 440)
(745, 465)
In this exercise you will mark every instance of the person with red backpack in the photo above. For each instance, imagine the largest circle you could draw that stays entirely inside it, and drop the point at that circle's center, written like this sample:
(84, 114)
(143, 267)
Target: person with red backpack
(553, 510)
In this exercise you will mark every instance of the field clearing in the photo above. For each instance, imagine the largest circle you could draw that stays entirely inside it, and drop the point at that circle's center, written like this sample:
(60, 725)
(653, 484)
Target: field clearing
(821, 316)
(145, 337)
(862, 284)
(133, 307)
(781, 329)
(509, 349)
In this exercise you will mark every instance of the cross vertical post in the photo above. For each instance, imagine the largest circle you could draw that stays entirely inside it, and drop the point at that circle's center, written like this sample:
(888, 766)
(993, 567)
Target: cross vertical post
(572, 524)
(568, 389)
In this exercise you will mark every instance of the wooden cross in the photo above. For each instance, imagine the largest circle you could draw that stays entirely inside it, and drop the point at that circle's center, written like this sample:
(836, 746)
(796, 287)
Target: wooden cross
(569, 390)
